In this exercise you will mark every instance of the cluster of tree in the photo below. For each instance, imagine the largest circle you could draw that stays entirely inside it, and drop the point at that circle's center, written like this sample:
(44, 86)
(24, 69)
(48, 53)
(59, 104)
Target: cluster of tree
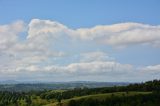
(147, 86)
(50, 95)
(13, 98)
(152, 99)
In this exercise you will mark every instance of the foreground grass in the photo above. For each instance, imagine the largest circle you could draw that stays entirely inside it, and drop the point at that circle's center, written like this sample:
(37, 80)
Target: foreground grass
(97, 96)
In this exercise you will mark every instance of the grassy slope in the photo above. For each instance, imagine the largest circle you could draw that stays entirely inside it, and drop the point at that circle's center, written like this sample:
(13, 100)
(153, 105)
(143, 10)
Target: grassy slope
(98, 96)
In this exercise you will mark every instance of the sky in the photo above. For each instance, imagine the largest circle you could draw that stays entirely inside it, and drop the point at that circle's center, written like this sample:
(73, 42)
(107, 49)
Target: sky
(80, 40)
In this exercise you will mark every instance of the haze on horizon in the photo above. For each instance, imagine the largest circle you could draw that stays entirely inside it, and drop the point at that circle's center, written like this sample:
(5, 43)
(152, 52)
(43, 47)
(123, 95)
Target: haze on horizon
(60, 40)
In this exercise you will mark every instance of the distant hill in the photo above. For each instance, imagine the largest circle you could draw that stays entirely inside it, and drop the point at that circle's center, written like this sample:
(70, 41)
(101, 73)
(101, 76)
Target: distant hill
(9, 82)
(28, 86)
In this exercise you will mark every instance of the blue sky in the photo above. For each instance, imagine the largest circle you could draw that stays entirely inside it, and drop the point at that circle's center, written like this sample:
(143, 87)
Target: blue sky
(82, 13)
(54, 37)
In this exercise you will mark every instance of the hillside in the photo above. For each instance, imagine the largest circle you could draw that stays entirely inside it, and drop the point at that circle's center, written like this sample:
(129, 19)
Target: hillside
(140, 94)
(97, 97)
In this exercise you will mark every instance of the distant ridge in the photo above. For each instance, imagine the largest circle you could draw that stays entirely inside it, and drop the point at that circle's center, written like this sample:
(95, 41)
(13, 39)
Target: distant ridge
(55, 82)
(11, 85)
(9, 82)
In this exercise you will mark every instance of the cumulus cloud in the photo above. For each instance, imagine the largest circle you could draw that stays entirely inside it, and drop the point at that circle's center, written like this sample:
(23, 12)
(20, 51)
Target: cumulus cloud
(15, 53)
(8, 34)
(98, 67)
(83, 69)
(149, 72)
(46, 29)
(154, 69)
(122, 34)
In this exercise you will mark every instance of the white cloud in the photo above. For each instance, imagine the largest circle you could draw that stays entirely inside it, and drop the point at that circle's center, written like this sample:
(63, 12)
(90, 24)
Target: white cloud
(122, 34)
(73, 70)
(153, 69)
(98, 67)
(45, 29)
(16, 53)
(8, 34)
(85, 68)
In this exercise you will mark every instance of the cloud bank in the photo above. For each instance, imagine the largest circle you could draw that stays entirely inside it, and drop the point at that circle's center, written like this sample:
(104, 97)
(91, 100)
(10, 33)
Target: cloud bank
(48, 50)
